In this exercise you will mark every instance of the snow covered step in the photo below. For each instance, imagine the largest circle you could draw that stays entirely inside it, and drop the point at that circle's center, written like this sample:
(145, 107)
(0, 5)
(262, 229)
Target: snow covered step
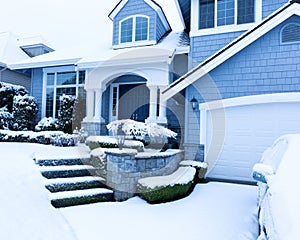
(79, 197)
(67, 171)
(74, 183)
(57, 162)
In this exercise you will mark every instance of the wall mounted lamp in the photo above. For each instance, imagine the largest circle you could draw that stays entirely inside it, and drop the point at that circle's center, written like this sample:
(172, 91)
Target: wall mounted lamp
(194, 103)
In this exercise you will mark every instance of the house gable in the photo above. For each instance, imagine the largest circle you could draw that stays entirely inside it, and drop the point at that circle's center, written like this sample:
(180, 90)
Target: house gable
(233, 48)
(131, 10)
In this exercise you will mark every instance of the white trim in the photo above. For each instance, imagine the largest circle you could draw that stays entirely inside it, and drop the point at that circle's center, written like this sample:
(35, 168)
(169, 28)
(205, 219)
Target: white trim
(180, 13)
(115, 12)
(195, 31)
(221, 56)
(251, 100)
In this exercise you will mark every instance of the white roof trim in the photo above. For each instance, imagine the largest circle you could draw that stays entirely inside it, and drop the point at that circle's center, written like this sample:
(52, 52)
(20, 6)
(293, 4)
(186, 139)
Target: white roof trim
(180, 13)
(250, 100)
(224, 54)
(44, 64)
(153, 5)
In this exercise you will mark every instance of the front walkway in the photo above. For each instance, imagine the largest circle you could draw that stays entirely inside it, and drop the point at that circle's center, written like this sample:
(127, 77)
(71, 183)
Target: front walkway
(214, 211)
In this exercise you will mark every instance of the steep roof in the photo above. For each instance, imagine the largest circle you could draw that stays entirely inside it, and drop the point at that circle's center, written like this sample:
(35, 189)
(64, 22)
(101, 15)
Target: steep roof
(9, 49)
(282, 14)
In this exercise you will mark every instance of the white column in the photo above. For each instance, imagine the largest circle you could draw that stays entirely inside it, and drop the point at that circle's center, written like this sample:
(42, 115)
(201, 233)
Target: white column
(153, 104)
(162, 108)
(89, 105)
(98, 105)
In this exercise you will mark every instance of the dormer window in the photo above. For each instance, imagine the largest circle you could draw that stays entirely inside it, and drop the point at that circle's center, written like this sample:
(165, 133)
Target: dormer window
(134, 29)
(217, 13)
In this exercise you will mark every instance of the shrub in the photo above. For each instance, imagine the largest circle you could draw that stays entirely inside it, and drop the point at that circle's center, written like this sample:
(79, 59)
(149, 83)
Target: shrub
(7, 94)
(167, 188)
(56, 138)
(25, 109)
(65, 113)
(5, 118)
(99, 161)
(110, 142)
(47, 124)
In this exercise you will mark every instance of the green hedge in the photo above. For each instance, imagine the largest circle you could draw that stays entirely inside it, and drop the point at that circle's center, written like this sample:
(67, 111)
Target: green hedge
(165, 194)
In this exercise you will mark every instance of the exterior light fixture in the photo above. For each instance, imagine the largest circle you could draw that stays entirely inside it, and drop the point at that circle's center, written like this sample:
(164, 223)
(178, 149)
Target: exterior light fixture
(194, 103)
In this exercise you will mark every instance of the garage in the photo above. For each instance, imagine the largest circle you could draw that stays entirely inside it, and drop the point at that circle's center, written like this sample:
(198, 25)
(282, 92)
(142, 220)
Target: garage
(236, 131)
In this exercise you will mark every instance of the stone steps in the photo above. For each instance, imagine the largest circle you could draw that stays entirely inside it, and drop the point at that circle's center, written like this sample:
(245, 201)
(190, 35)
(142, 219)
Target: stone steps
(73, 182)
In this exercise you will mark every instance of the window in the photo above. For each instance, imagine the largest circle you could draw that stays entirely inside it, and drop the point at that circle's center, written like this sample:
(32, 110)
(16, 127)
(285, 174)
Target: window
(290, 33)
(134, 29)
(216, 13)
(59, 83)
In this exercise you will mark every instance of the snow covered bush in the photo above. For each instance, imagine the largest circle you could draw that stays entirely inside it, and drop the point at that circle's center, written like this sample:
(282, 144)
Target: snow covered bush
(65, 113)
(7, 94)
(47, 124)
(57, 138)
(111, 142)
(167, 188)
(25, 109)
(99, 161)
(148, 133)
(5, 118)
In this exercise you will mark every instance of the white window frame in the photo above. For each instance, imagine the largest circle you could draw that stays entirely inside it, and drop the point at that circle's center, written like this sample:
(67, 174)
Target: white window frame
(134, 42)
(195, 31)
(55, 71)
(286, 25)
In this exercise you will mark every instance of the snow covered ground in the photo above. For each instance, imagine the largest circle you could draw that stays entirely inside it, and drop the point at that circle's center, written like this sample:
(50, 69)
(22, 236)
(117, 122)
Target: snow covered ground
(213, 211)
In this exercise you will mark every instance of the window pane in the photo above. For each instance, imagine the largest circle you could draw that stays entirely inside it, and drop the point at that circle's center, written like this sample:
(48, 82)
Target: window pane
(126, 31)
(50, 79)
(206, 14)
(60, 92)
(245, 11)
(141, 29)
(66, 78)
(49, 102)
(225, 12)
(81, 77)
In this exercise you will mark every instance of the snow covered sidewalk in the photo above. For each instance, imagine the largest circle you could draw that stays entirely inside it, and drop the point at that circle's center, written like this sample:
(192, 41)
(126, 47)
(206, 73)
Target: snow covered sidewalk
(214, 211)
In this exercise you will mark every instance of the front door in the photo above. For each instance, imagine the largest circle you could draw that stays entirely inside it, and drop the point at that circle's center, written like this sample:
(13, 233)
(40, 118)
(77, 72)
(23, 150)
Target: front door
(132, 102)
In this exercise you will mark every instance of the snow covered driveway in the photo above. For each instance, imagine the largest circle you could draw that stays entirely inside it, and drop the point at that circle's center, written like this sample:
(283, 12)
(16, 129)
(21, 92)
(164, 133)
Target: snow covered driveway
(214, 211)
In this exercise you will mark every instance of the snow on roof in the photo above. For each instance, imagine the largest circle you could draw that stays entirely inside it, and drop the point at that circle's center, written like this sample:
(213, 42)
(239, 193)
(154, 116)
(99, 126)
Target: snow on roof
(9, 49)
(91, 53)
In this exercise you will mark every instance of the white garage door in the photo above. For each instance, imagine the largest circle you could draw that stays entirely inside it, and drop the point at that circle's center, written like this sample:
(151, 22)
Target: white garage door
(237, 131)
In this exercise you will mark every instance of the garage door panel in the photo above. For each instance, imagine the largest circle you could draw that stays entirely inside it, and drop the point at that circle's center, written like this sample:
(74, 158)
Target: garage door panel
(249, 130)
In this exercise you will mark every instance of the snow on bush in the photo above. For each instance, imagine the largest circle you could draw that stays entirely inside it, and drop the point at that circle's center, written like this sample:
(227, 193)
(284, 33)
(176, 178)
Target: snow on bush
(99, 161)
(65, 113)
(25, 109)
(167, 188)
(139, 129)
(7, 94)
(5, 118)
(56, 138)
(111, 142)
(47, 124)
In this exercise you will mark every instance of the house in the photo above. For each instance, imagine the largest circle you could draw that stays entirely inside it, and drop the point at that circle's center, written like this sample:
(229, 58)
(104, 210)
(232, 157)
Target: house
(238, 59)
(14, 49)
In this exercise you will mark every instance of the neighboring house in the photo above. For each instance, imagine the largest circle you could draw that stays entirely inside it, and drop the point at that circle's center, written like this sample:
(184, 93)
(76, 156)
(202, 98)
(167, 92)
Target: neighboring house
(13, 49)
(243, 52)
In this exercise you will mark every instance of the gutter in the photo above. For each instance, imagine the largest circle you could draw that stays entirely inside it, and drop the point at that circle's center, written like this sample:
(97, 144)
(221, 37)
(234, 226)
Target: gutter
(2, 70)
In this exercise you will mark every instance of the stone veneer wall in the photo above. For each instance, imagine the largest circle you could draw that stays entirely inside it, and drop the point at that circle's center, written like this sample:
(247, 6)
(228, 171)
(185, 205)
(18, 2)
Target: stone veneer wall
(126, 167)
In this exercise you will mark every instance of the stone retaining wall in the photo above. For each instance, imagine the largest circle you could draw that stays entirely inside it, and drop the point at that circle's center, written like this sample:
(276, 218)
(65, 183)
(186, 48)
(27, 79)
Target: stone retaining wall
(126, 167)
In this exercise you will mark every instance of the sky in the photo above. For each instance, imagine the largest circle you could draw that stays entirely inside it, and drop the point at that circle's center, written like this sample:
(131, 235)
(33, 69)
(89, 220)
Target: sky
(63, 23)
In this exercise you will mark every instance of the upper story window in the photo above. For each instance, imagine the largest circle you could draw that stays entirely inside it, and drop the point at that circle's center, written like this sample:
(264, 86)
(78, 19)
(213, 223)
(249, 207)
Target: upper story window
(134, 29)
(290, 33)
(216, 13)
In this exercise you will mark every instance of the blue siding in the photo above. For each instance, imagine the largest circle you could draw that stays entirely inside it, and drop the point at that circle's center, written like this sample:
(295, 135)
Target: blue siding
(271, 6)
(134, 7)
(265, 66)
(160, 28)
(37, 88)
(105, 104)
(203, 47)
(185, 6)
